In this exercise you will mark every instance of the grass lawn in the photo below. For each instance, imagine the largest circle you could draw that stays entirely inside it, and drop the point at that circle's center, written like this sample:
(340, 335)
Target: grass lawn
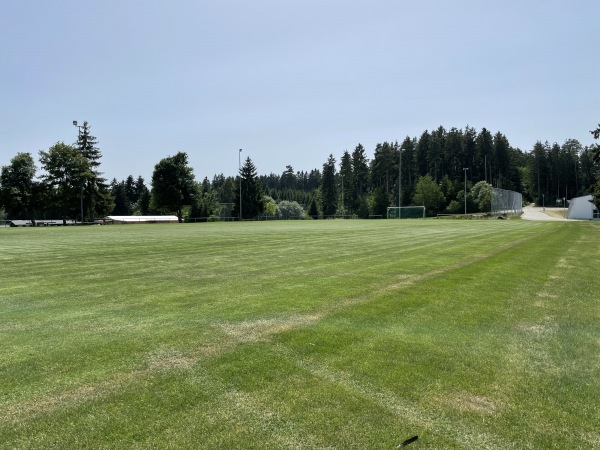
(301, 335)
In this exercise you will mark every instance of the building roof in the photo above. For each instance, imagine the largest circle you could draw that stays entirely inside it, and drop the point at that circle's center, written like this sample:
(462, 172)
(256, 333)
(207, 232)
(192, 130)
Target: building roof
(20, 223)
(143, 219)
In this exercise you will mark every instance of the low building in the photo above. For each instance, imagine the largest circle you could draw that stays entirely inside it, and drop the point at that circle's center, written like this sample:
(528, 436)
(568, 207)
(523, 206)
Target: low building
(141, 219)
(582, 208)
(41, 222)
(20, 223)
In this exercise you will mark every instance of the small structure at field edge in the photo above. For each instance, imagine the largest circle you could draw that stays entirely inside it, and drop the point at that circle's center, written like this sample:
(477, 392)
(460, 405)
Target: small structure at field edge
(141, 219)
(582, 208)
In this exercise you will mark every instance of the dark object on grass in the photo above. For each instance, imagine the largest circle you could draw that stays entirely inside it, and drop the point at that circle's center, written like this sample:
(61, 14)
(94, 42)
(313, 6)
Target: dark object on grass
(408, 441)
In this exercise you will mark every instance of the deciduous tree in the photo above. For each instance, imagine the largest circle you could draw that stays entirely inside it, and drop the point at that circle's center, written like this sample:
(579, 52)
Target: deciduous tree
(482, 196)
(173, 185)
(18, 188)
(66, 172)
(289, 210)
(429, 194)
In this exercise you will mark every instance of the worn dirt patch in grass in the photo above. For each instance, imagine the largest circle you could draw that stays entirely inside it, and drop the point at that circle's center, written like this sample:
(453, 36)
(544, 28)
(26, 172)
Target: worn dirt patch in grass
(469, 402)
(262, 329)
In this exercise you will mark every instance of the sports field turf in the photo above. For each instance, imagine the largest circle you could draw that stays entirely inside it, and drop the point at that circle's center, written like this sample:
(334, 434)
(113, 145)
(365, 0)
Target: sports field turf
(301, 335)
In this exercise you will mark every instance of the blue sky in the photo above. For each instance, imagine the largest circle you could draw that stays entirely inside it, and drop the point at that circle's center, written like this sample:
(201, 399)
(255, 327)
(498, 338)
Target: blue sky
(290, 82)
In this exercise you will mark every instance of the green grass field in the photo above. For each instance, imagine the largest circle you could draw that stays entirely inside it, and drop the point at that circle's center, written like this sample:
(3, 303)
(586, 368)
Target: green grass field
(301, 335)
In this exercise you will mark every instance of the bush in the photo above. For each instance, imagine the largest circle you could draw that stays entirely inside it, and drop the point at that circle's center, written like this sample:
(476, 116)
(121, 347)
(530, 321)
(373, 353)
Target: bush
(289, 210)
(455, 208)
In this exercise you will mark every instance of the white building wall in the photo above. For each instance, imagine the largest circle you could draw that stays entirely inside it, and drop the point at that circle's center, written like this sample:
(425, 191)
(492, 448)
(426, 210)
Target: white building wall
(581, 208)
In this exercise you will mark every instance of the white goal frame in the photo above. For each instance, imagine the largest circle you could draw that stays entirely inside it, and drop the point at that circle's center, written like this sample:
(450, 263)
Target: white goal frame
(395, 212)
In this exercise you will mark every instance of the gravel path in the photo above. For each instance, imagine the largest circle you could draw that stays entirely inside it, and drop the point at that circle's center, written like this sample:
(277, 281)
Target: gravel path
(537, 213)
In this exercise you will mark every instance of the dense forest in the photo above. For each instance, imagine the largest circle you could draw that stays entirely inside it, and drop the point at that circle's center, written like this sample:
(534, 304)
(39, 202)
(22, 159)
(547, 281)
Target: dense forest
(435, 169)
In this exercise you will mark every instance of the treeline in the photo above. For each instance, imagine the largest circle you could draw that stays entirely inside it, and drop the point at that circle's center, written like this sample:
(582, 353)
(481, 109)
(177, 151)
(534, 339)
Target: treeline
(71, 185)
(435, 169)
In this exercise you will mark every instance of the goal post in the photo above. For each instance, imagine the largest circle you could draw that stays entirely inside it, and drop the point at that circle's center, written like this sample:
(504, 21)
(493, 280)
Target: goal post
(406, 212)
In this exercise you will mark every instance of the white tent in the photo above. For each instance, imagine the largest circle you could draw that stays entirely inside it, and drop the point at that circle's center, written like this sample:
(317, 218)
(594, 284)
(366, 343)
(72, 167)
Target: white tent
(581, 208)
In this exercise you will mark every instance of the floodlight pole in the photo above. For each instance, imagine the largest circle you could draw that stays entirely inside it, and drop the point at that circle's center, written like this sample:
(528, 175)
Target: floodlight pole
(81, 195)
(342, 193)
(465, 169)
(400, 185)
(240, 172)
(485, 166)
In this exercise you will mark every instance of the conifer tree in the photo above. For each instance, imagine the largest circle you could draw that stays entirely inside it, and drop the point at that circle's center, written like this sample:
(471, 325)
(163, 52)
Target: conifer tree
(347, 195)
(288, 178)
(502, 161)
(422, 153)
(384, 167)
(252, 196)
(122, 203)
(595, 151)
(409, 175)
(97, 200)
(313, 211)
(485, 151)
(360, 172)
(328, 190)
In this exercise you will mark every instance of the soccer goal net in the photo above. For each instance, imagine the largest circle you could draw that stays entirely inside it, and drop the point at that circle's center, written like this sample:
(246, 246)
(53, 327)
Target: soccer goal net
(406, 212)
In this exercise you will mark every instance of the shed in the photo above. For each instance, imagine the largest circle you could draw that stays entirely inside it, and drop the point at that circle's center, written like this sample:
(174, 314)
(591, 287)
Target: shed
(582, 208)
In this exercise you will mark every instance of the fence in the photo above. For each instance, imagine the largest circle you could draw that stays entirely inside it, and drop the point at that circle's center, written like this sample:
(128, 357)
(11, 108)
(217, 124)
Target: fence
(506, 202)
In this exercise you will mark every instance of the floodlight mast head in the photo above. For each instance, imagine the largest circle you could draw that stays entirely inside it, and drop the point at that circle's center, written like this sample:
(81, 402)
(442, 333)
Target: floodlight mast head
(75, 122)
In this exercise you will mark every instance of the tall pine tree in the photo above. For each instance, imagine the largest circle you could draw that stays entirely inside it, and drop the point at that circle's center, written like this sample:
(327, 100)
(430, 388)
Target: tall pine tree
(595, 156)
(252, 196)
(360, 177)
(97, 199)
(328, 189)
(346, 183)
